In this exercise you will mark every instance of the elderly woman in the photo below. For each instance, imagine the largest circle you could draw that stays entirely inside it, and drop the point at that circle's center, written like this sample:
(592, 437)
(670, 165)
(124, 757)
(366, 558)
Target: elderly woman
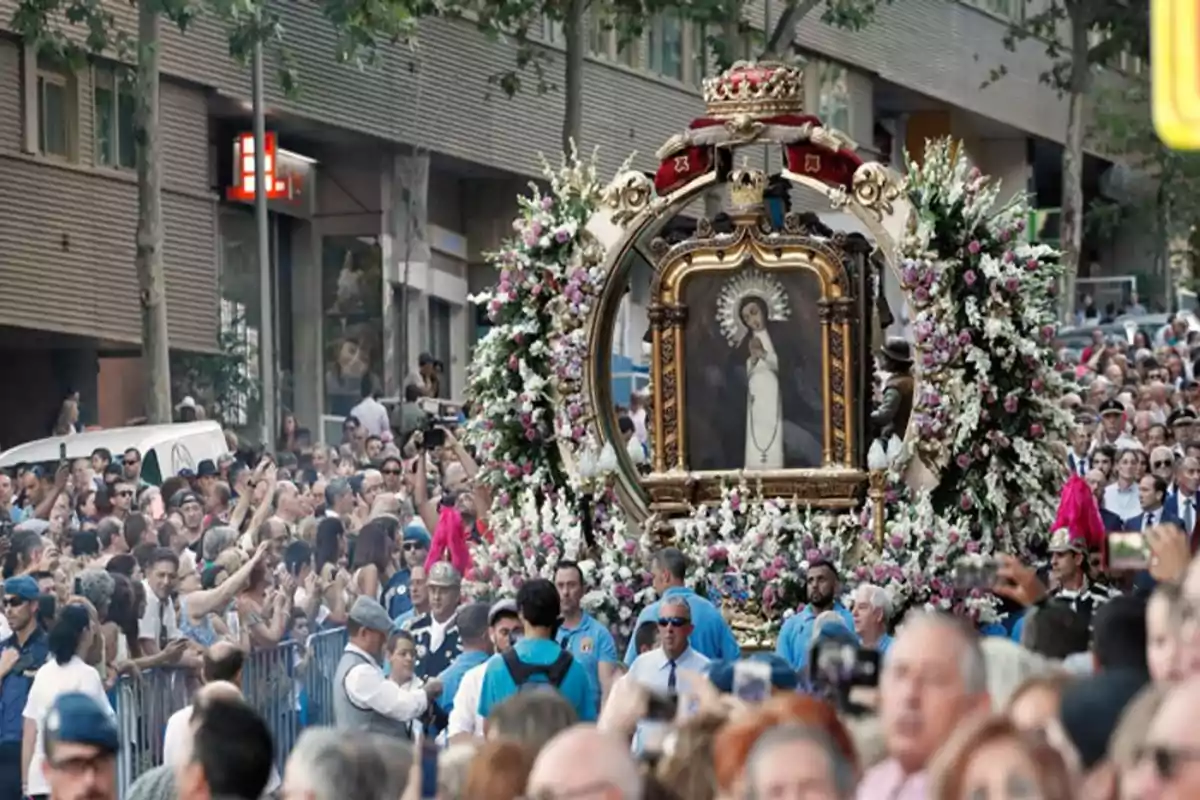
(990, 757)
(202, 612)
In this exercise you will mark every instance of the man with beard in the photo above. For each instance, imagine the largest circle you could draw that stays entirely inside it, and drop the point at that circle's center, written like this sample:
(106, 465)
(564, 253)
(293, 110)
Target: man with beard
(796, 634)
(436, 633)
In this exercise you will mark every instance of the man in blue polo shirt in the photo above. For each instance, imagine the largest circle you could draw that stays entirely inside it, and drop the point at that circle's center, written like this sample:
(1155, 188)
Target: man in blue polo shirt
(711, 636)
(795, 638)
(581, 634)
(537, 662)
(476, 649)
(20, 657)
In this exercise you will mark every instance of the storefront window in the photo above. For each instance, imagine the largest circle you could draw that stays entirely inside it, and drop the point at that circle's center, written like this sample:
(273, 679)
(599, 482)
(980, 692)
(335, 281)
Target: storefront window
(352, 303)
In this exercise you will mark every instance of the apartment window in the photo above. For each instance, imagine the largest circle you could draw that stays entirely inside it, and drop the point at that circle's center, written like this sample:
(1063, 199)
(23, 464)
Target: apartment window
(666, 46)
(834, 98)
(55, 111)
(552, 31)
(114, 103)
(440, 317)
(629, 53)
(600, 34)
(1008, 9)
(700, 54)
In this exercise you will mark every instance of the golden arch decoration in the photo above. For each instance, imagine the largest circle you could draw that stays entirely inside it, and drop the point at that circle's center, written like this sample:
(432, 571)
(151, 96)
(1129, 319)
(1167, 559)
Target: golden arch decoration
(637, 207)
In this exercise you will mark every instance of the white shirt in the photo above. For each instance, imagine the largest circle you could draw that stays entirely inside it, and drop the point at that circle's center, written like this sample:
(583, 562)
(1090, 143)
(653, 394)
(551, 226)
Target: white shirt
(463, 716)
(150, 625)
(1125, 503)
(373, 416)
(177, 745)
(51, 680)
(437, 631)
(652, 669)
(368, 688)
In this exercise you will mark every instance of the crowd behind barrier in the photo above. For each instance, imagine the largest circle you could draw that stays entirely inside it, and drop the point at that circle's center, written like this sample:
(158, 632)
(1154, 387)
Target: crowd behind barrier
(290, 686)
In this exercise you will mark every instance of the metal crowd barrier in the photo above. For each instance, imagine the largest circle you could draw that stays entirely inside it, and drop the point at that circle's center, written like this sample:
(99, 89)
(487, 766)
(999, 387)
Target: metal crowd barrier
(291, 687)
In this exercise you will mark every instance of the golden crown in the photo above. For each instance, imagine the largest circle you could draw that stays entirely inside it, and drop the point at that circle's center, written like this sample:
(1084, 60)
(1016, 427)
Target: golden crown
(755, 89)
(746, 188)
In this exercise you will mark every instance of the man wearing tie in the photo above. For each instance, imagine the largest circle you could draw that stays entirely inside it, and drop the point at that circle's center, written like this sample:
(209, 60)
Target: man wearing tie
(1184, 502)
(658, 670)
(1081, 441)
(1152, 491)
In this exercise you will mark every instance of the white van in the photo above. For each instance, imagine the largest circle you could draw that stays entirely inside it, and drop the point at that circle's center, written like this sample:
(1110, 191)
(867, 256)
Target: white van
(165, 449)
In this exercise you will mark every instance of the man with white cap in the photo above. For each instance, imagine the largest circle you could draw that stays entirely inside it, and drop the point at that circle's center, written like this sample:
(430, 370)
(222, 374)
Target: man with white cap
(363, 699)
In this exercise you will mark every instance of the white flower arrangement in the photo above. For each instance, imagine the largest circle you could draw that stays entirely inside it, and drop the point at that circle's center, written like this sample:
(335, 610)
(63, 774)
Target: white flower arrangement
(986, 413)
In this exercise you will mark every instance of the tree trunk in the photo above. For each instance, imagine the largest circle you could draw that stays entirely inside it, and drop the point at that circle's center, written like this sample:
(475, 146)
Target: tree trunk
(572, 130)
(784, 32)
(1072, 163)
(149, 259)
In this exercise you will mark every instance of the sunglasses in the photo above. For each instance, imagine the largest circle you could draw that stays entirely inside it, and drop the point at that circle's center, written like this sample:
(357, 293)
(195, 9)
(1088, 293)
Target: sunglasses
(674, 622)
(411, 546)
(391, 472)
(14, 601)
(1162, 464)
(131, 463)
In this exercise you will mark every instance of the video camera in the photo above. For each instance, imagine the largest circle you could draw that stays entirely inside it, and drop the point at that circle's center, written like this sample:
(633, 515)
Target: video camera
(835, 667)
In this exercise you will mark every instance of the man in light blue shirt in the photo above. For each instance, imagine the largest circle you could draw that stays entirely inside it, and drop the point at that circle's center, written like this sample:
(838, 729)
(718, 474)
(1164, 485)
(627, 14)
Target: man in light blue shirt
(537, 662)
(795, 638)
(658, 670)
(711, 636)
(582, 635)
(872, 608)
(473, 629)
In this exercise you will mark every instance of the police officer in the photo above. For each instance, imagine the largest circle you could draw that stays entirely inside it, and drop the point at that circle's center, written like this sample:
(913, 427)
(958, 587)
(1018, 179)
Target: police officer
(436, 633)
(81, 749)
(21, 654)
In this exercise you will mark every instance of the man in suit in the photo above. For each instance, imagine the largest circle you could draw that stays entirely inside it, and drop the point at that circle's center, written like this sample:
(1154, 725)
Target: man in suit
(1152, 492)
(1184, 502)
(1096, 482)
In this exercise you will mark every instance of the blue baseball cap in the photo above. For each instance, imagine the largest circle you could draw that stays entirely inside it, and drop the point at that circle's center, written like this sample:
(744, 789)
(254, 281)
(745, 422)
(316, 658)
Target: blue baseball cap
(23, 587)
(417, 533)
(783, 677)
(78, 718)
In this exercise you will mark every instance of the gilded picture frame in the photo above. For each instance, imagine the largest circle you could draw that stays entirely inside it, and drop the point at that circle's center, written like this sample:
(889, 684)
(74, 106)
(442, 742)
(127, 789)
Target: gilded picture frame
(838, 481)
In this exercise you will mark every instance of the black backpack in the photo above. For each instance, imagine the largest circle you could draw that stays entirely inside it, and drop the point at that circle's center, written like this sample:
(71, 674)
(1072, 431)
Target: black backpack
(522, 673)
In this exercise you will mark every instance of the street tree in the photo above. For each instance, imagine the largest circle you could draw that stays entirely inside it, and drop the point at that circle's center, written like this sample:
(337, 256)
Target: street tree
(1166, 199)
(1079, 36)
(69, 31)
(726, 34)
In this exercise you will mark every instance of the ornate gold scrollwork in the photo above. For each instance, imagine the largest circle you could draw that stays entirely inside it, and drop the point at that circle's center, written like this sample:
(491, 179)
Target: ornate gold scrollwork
(876, 189)
(628, 195)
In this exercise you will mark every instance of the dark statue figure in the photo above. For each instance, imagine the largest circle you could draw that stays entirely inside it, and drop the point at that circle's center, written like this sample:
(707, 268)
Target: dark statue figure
(895, 407)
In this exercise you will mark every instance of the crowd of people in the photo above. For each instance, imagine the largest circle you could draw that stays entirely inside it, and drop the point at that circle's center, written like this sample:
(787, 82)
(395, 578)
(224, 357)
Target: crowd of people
(1084, 689)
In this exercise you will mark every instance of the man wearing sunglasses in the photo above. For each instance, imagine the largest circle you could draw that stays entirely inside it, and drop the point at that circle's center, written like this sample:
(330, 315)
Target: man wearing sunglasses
(397, 595)
(21, 654)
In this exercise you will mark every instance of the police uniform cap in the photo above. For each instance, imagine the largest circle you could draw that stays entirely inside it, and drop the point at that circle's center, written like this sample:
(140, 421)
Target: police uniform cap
(77, 718)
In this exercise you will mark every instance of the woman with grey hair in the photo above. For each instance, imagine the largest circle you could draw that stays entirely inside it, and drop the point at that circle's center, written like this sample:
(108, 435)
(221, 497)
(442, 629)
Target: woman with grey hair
(216, 541)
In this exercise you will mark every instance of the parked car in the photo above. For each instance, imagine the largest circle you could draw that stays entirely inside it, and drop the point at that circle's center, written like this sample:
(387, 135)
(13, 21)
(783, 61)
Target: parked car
(165, 449)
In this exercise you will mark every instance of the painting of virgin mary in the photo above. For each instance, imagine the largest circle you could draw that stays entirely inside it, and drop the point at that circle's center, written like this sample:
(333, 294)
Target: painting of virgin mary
(754, 381)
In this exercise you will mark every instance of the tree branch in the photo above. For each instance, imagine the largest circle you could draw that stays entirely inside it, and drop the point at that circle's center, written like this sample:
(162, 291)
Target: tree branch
(785, 28)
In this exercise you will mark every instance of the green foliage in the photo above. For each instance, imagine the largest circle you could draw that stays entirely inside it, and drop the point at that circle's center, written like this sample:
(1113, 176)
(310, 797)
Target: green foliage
(1124, 25)
(219, 381)
(70, 30)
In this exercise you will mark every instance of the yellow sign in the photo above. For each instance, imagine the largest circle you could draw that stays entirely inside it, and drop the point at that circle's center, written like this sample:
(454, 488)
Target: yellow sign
(1175, 61)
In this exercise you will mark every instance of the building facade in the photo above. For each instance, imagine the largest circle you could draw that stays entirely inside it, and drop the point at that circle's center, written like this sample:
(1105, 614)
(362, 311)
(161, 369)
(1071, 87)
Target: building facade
(403, 177)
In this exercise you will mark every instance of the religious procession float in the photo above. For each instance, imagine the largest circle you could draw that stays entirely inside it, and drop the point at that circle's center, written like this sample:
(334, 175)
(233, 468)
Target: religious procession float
(770, 444)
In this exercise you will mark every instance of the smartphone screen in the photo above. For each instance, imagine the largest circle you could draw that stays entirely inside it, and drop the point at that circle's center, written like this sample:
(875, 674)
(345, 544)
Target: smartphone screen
(62, 452)
(1128, 550)
(429, 770)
